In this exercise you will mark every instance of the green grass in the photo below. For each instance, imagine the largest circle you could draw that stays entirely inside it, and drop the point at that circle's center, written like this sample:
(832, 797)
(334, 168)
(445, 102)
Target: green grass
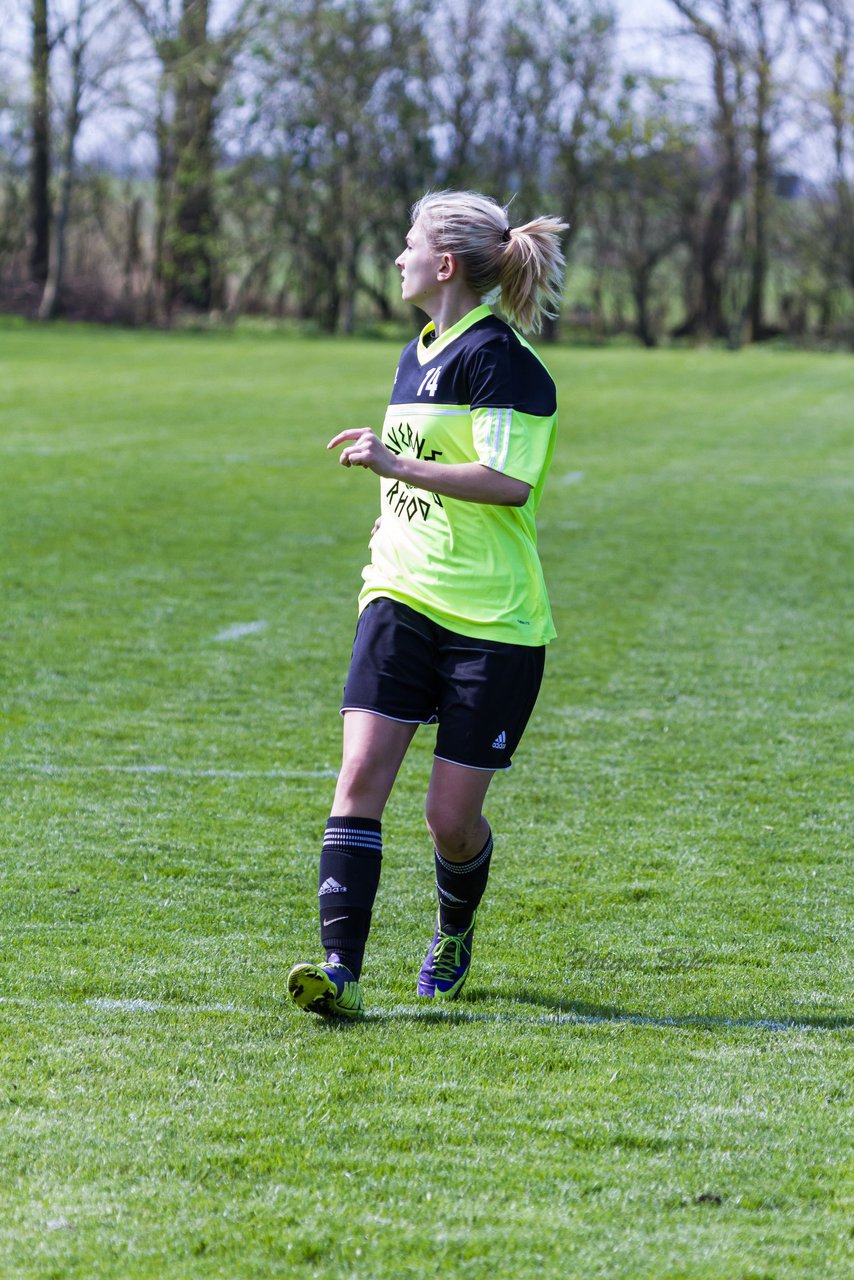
(650, 1073)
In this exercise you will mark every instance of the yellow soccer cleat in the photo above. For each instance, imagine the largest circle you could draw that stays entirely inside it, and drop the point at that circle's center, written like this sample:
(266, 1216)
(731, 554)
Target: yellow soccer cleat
(327, 989)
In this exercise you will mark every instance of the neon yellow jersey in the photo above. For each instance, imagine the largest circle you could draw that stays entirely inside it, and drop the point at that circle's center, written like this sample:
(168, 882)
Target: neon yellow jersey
(479, 393)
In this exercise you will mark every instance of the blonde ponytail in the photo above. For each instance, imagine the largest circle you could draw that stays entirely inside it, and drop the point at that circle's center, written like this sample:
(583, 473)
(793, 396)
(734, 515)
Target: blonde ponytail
(531, 276)
(525, 264)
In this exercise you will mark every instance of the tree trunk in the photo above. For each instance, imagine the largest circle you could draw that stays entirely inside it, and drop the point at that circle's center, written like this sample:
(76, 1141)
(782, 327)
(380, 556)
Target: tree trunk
(163, 181)
(717, 229)
(640, 290)
(51, 303)
(40, 211)
(840, 124)
(351, 282)
(708, 318)
(191, 251)
(761, 193)
(133, 261)
(377, 296)
(759, 248)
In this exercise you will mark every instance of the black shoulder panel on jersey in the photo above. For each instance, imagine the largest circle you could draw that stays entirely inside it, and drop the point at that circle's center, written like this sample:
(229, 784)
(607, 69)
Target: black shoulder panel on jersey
(407, 375)
(485, 367)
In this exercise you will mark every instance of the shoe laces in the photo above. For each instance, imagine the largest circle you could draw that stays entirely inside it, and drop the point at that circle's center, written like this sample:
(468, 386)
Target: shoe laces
(448, 955)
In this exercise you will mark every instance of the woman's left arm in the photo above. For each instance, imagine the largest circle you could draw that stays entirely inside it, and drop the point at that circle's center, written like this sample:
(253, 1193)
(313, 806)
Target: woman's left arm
(466, 481)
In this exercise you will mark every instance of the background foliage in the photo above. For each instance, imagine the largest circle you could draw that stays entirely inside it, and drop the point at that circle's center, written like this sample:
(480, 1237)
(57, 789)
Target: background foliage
(168, 157)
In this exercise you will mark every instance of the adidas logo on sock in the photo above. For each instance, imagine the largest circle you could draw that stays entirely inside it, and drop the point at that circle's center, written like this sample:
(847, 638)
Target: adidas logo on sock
(331, 886)
(500, 742)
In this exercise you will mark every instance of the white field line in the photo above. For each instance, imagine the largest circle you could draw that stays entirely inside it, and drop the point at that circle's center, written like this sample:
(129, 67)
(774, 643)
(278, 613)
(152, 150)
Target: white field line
(450, 1017)
(105, 1004)
(155, 770)
(240, 629)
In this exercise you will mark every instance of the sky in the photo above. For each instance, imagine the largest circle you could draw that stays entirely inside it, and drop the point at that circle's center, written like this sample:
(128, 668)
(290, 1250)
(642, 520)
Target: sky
(640, 17)
(641, 44)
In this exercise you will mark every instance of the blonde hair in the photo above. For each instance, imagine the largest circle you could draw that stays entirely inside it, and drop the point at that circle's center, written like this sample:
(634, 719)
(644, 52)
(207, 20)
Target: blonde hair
(524, 263)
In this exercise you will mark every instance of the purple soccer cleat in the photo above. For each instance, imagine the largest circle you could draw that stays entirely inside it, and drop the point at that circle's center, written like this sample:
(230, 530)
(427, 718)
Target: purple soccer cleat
(446, 965)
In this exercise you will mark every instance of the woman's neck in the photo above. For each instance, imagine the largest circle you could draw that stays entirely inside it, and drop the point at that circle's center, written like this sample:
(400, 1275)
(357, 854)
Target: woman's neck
(450, 307)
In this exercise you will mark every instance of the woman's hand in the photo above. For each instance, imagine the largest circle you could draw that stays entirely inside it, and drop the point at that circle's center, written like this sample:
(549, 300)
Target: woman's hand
(365, 450)
(466, 481)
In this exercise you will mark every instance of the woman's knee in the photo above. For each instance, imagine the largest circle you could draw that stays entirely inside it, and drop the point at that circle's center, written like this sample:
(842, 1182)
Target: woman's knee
(455, 835)
(361, 785)
(373, 750)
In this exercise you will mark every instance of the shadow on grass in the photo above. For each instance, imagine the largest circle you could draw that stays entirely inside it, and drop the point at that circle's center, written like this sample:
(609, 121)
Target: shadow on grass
(556, 1012)
(583, 1011)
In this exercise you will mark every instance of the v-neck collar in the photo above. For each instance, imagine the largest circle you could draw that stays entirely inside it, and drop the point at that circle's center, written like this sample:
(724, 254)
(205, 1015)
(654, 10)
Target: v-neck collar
(427, 353)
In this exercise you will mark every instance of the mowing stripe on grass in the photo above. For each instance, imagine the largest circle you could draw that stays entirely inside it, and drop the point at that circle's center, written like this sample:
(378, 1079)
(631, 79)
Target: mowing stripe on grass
(61, 770)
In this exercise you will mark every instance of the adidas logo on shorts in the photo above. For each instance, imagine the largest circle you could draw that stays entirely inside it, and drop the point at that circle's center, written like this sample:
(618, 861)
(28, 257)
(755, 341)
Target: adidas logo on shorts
(500, 743)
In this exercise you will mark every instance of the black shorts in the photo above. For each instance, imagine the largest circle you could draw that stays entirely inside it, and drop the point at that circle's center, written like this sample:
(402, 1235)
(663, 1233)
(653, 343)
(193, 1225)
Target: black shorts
(481, 692)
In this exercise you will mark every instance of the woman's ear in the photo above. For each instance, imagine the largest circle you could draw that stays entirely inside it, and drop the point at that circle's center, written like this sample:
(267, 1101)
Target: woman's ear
(447, 267)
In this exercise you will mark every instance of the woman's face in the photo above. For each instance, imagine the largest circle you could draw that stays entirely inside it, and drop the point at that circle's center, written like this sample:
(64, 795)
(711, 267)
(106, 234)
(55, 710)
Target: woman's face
(419, 267)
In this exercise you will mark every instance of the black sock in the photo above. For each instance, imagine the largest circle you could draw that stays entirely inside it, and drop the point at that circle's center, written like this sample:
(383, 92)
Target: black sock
(349, 878)
(461, 886)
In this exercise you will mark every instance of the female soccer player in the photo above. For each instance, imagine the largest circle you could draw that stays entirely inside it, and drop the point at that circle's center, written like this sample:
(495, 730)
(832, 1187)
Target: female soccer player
(454, 616)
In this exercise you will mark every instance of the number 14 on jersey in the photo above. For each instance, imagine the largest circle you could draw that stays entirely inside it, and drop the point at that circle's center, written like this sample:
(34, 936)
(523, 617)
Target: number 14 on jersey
(430, 381)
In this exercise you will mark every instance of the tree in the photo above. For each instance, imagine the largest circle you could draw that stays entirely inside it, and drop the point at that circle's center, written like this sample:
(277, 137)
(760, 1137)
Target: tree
(15, 149)
(40, 205)
(461, 87)
(193, 65)
(745, 40)
(91, 39)
(712, 22)
(767, 36)
(583, 49)
(336, 113)
(826, 40)
(554, 71)
(646, 183)
(192, 272)
(544, 105)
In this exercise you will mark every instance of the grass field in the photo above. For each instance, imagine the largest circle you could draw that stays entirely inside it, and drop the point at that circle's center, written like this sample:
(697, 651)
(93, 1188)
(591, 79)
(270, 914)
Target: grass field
(650, 1074)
